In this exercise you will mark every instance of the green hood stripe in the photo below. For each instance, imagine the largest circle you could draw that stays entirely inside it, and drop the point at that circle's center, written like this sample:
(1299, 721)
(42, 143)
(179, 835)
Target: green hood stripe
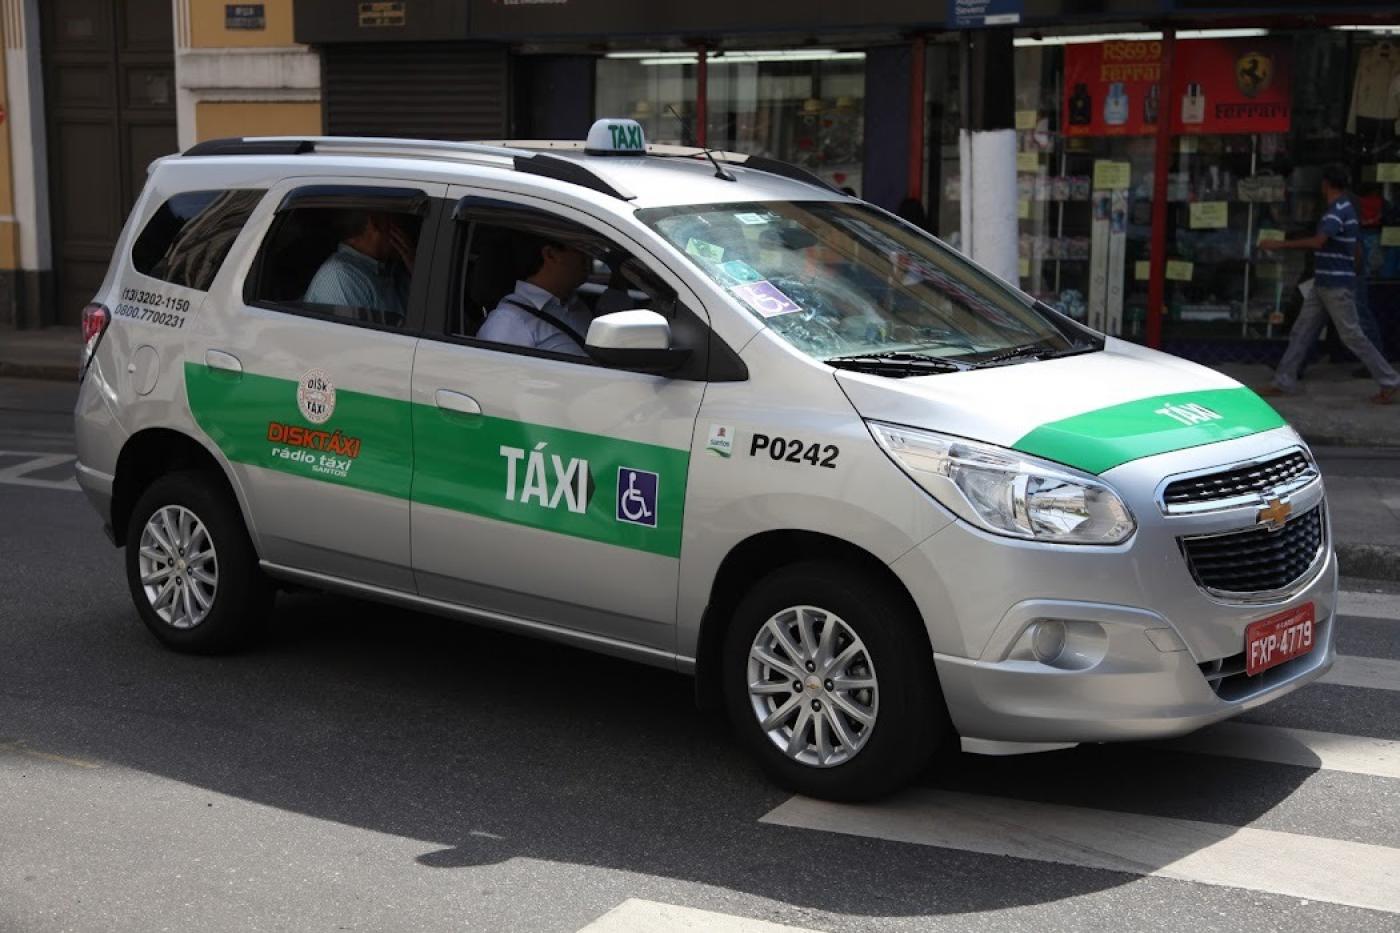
(1100, 440)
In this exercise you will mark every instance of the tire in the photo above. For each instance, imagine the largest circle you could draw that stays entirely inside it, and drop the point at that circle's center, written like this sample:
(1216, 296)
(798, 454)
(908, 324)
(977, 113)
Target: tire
(886, 650)
(198, 617)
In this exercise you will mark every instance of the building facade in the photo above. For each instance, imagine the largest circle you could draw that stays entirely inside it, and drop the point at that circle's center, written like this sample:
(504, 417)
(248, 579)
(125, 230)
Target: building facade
(1239, 102)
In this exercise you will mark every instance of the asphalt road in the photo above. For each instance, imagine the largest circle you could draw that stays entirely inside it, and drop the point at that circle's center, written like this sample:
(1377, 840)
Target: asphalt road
(372, 769)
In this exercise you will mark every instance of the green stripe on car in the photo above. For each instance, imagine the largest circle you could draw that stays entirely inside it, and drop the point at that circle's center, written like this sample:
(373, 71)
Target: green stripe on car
(527, 474)
(1100, 440)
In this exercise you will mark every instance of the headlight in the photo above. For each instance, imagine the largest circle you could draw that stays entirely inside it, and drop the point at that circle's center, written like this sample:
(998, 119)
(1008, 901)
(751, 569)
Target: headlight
(1007, 492)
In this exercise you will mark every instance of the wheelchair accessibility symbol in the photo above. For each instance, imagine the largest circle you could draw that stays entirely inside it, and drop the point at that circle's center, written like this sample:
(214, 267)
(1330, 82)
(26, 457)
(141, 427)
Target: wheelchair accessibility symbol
(636, 496)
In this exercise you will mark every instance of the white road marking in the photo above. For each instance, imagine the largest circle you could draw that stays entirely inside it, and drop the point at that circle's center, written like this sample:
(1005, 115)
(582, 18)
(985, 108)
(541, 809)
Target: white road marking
(1356, 671)
(1332, 870)
(1369, 605)
(1329, 751)
(638, 916)
(15, 475)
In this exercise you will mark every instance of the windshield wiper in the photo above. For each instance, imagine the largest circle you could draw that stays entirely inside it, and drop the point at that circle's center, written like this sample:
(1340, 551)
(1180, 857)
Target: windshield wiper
(889, 361)
(1024, 351)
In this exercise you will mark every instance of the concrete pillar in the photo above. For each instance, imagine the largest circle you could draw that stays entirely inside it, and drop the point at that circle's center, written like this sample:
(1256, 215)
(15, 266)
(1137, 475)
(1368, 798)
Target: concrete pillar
(29, 177)
(987, 146)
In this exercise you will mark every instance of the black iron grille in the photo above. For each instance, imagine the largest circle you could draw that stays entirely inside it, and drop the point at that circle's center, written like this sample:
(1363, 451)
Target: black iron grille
(1241, 481)
(1256, 560)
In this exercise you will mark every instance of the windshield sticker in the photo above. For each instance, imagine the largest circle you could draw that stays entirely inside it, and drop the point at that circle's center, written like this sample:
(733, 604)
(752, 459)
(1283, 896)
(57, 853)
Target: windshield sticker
(765, 298)
(740, 271)
(721, 440)
(703, 250)
(751, 219)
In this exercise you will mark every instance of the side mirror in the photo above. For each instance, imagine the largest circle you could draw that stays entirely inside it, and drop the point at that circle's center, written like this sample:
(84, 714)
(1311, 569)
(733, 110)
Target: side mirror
(638, 340)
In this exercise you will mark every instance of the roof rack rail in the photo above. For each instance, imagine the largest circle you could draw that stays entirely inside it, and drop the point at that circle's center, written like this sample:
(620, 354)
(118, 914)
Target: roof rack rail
(239, 145)
(549, 166)
(662, 150)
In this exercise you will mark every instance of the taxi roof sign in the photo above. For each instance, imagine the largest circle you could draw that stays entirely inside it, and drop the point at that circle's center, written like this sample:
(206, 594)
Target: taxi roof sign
(616, 137)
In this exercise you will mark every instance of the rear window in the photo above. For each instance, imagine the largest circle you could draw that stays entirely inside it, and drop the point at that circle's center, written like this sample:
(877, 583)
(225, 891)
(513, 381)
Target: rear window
(186, 240)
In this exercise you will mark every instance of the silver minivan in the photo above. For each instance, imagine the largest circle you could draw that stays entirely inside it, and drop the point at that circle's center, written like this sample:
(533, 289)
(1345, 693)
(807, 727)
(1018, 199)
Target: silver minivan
(699, 410)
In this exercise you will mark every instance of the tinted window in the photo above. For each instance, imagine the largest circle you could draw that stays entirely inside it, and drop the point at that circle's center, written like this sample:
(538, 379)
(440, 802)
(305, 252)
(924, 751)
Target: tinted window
(353, 262)
(186, 240)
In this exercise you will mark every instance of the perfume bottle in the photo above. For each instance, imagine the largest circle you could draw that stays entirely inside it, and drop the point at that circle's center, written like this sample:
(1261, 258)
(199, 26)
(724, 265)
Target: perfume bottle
(1081, 106)
(1150, 104)
(1193, 105)
(1115, 105)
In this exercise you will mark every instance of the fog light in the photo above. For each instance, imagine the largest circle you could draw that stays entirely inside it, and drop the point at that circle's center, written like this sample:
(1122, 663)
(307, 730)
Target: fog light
(1047, 641)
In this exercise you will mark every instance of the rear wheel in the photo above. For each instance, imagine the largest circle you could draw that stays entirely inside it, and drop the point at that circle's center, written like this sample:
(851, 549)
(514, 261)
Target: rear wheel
(191, 567)
(829, 681)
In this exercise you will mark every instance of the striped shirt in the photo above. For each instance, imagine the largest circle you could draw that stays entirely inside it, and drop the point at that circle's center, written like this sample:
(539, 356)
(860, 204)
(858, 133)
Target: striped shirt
(350, 279)
(1336, 258)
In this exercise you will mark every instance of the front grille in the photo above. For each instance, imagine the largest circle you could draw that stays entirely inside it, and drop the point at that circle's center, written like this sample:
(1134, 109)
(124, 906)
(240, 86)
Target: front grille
(1240, 481)
(1256, 560)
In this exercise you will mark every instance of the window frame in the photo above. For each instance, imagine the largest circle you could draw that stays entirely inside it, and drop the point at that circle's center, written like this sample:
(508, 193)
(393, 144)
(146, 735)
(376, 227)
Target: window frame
(261, 192)
(403, 198)
(710, 360)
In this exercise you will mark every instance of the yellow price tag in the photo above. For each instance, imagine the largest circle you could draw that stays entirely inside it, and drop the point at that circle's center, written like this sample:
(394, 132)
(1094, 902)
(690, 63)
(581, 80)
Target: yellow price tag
(1112, 176)
(1142, 270)
(1179, 270)
(1390, 236)
(1023, 209)
(1025, 119)
(1388, 171)
(1023, 268)
(1027, 162)
(1210, 215)
(1269, 233)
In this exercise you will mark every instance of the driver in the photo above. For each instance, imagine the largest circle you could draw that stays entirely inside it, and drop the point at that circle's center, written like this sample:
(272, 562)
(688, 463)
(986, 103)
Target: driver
(544, 311)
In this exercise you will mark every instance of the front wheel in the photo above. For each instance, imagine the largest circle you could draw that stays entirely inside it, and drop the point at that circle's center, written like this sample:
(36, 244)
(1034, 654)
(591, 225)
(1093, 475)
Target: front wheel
(829, 681)
(191, 567)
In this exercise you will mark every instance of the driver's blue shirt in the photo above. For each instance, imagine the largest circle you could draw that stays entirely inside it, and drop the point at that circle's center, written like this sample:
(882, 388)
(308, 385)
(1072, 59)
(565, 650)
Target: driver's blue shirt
(509, 323)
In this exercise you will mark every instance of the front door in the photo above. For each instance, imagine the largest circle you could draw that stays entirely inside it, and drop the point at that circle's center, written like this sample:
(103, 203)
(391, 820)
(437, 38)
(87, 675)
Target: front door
(304, 381)
(547, 487)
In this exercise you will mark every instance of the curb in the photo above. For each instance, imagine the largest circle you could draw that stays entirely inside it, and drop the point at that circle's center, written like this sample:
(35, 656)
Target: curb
(51, 372)
(1369, 561)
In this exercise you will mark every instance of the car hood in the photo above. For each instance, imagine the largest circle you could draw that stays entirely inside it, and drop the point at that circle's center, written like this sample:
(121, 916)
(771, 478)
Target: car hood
(1093, 412)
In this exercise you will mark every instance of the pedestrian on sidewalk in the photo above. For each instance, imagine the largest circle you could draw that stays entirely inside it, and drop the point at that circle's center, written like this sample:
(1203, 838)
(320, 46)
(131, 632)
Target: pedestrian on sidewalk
(1333, 295)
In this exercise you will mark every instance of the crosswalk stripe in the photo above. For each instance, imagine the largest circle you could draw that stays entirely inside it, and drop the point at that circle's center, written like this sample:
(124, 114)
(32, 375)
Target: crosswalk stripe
(17, 474)
(1329, 751)
(1369, 605)
(1356, 671)
(635, 915)
(1337, 871)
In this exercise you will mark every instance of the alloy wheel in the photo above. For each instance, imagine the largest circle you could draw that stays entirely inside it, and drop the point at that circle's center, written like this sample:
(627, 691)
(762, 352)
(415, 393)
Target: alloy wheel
(179, 567)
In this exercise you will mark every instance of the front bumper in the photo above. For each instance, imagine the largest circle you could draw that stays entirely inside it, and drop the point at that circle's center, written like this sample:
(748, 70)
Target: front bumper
(1144, 634)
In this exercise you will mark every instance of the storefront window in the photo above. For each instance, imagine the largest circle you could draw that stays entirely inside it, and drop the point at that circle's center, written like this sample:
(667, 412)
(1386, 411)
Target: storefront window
(651, 88)
(801, 106)
(1253, 120)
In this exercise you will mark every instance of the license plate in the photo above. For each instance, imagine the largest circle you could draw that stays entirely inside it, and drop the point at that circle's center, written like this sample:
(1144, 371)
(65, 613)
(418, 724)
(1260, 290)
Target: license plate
(1279, 638)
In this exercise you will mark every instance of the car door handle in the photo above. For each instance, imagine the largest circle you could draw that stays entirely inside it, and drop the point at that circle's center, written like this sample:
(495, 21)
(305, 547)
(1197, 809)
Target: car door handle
(218, 359)
(448, 400)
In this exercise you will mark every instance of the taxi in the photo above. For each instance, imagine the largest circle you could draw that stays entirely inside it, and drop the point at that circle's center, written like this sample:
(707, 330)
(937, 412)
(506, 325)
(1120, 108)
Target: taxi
(700, 410)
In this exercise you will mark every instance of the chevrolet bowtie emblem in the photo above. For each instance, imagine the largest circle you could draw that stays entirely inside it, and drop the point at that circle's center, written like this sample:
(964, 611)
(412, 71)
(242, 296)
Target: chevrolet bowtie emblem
(1274, 514)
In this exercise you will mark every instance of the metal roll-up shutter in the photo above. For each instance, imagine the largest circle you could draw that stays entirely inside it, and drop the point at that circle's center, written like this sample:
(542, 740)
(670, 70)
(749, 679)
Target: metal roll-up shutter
(421, 90)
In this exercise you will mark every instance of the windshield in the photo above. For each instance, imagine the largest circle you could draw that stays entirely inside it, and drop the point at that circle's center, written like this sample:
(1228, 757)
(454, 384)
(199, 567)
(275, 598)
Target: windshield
(843, 281)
